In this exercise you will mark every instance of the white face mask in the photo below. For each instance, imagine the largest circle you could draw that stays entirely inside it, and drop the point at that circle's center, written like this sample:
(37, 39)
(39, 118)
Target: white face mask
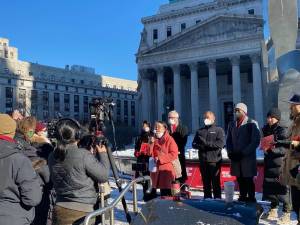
(146, 129)
(208, 122)
(159, 135)
(172, 121)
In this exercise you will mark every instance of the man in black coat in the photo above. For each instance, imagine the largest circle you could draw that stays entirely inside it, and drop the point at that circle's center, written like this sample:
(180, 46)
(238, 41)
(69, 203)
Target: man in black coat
(179, 133)
(273, 190)
(209, 140)
(243, 138)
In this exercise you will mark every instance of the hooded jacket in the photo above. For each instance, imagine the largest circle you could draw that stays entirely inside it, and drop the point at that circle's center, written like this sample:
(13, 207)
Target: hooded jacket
(20, 189)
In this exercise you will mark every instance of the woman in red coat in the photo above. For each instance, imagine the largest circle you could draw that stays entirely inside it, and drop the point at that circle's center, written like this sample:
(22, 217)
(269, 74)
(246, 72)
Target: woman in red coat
(164, 150)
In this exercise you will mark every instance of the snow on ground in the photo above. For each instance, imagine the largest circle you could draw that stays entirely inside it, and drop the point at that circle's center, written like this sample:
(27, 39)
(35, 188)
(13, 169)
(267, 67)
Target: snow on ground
(120, 218)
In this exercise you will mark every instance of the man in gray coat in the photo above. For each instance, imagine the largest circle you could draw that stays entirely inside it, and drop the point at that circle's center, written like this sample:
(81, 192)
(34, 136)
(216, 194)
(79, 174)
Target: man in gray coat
(20, 189)
(243, 137)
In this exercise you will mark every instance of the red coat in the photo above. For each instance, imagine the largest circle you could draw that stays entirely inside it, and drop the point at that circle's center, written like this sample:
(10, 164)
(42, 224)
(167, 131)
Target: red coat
(166, 151)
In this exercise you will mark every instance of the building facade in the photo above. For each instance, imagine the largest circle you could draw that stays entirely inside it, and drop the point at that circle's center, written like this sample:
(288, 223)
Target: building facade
(43, 91)
(199, 55)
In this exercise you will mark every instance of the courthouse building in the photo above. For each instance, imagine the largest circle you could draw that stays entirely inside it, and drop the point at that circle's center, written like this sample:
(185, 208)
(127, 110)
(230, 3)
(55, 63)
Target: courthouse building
(198, 55)
(45, 91)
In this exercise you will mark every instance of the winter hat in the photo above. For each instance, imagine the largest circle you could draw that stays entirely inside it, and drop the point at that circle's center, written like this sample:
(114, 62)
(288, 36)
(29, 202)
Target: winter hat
(39, 127)
(7, 126)
(274, 113)
(242, 107)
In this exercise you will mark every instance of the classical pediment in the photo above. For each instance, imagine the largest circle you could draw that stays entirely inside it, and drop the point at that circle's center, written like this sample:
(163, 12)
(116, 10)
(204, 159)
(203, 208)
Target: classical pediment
(214, 30)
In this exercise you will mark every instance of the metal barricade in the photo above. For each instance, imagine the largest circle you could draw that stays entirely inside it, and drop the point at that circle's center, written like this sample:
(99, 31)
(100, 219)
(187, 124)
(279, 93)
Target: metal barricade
(101, 212)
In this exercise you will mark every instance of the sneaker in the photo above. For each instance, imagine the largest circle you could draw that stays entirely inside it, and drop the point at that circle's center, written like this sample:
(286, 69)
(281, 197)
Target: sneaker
(285, 219)
(272, 214)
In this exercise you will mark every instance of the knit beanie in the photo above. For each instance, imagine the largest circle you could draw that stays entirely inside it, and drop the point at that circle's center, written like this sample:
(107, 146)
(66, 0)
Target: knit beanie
(274, 113)
(242, 107)
(7, 126)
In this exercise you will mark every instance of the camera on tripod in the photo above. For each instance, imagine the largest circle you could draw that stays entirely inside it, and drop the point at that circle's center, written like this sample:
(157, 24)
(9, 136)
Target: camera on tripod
(101, 110)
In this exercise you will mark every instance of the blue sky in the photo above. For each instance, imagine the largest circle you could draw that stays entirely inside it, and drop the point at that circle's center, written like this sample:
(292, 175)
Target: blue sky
(97, 33)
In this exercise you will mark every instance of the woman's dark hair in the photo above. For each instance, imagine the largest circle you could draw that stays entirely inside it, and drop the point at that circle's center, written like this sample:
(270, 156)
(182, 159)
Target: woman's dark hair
(163, 123)
(86, 141)
(67, 134)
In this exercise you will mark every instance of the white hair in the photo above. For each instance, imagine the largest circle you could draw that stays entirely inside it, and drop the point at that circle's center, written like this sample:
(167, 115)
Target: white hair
(174, 112)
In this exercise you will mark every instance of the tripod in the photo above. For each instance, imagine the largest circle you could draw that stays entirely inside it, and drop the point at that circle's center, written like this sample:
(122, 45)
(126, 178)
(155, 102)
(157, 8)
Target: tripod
(115, 171)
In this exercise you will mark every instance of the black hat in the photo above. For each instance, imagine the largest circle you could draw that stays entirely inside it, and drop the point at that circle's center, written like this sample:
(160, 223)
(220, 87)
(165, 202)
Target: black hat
(295, 99)
(274, 113)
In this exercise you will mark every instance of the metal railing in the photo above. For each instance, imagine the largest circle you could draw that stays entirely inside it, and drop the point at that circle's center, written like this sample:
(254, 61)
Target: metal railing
(101, 212)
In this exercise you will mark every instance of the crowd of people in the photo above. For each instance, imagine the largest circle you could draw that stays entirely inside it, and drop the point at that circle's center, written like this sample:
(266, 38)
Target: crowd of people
(165, 145)
(46, 184)
(42, 184)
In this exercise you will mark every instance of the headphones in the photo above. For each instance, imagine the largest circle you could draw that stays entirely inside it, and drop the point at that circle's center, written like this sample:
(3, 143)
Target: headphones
(78, 133)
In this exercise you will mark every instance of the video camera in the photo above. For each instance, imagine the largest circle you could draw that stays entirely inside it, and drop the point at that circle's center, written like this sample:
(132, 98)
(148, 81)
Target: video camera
(101, 110)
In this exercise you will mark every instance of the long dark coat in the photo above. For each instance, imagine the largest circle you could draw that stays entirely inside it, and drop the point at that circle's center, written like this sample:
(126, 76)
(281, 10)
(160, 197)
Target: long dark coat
(243, 140)
(273, 161)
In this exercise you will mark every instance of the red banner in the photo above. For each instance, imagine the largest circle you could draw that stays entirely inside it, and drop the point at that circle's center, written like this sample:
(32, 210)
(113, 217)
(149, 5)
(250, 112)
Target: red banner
(195, 180)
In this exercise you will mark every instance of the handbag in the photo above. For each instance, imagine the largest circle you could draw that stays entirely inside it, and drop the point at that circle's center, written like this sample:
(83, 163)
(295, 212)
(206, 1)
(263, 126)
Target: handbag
(177, 168)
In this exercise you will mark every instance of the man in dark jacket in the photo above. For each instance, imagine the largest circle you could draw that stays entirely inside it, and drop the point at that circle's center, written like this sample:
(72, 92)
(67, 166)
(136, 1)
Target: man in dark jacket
(243, 138)
(272, 189)
(20, 189)
(209, 140)
(179, 132)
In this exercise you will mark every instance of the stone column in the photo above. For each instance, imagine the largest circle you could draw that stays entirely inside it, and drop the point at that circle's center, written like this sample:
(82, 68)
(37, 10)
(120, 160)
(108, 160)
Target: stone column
(145, 90)
(213, 88)
(236, 79)
(257, 89)
(177, 88)
(160, 92)
(194, 96)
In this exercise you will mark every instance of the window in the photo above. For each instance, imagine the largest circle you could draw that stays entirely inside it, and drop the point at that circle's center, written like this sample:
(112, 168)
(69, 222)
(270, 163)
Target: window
(82, 82)
(183, 26)
(46, 100)
(19, 72)
(9, 93)
(67, 102)
(251, 11)
(22, 82)
(198, 21)
(30, 73)
(118, 110)
(6, 54)
(34, 102)
(9, 81)
(34, 84)
(56, 102)
(115, 86)
(76, 103)
(11, 55)
(67, 88)
(94, 91)
(155, 35)
(132, 106)
(125, 107)
(22, 100)
(6, 70)
(169, 31)
(73, 81)
(85, 104)
(56, 87)
(45, 86)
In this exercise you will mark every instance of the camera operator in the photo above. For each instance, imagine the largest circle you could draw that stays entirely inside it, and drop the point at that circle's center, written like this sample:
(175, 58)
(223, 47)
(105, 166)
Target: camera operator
(74, 172)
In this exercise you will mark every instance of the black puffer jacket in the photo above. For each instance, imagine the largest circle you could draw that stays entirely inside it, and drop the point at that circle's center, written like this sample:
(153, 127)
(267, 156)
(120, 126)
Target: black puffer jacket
(273, 161)
(74, 178)
(209, 141)
(20, 188)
